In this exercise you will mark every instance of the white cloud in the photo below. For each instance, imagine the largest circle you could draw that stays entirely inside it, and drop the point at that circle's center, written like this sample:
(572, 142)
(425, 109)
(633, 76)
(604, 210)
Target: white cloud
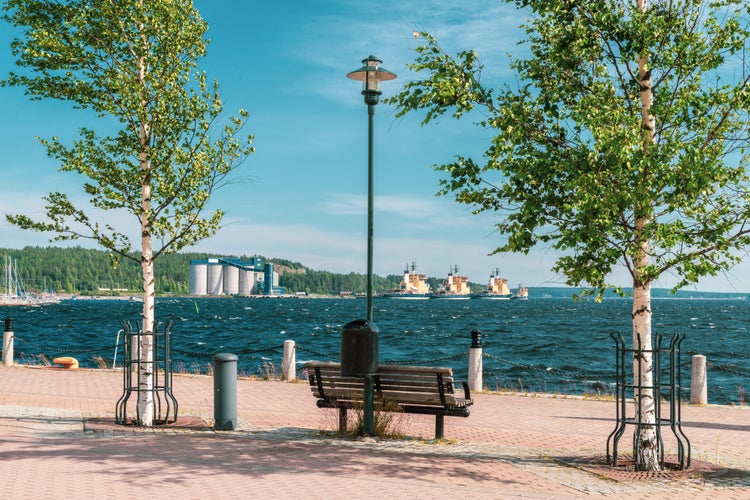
(314, 247)
(407, 206)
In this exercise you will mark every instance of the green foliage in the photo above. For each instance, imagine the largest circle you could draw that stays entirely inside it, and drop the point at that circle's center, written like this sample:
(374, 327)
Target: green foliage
(572, 165)
(324, 282)
(162, 152)
(87, 271)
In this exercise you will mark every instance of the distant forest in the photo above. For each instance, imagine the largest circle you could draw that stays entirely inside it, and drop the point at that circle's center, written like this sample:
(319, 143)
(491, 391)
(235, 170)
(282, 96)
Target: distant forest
(85, 271)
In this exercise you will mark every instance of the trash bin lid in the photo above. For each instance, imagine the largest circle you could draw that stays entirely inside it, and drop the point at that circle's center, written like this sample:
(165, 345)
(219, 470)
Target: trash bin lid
(361, 324)
(225, 356)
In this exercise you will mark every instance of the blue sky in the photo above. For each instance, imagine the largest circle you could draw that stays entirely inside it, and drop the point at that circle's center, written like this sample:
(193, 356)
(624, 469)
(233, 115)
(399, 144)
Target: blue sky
(304, 193)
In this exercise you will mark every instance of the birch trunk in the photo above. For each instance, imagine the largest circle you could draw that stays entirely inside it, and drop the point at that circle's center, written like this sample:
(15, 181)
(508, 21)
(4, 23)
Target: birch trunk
(646, 450)
(146, 375)
(145, 407)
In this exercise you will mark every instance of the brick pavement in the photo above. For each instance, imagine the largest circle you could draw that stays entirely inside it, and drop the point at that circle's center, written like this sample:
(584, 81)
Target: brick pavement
(52, 445)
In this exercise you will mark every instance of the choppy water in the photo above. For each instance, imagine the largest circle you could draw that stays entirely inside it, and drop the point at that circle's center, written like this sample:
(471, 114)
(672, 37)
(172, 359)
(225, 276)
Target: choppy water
(550, 345)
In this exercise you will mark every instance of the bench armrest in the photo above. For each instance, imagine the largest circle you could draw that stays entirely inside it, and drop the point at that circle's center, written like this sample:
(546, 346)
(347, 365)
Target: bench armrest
(319, 383)
(467, 392)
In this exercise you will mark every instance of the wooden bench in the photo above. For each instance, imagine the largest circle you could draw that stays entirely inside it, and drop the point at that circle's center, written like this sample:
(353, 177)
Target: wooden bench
(409, 389)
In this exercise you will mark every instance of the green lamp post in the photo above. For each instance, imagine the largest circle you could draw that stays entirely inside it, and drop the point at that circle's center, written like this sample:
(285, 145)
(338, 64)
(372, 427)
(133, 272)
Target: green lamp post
(370, 74)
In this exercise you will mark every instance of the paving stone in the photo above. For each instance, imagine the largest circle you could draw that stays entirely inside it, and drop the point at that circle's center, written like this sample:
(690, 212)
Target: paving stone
(58, 439)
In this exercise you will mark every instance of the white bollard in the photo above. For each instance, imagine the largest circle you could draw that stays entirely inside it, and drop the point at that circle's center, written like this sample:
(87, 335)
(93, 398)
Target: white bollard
(8, 343)
(289, 363)
(475, 362)
(698, 382)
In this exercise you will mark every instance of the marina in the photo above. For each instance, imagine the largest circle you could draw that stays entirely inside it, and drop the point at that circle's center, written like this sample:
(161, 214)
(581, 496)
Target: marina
(13, 291)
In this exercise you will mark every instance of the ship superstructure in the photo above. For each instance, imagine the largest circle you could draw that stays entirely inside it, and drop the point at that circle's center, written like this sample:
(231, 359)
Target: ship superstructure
(412, 286)
(454, 286)
(522, 293)
(497, 288)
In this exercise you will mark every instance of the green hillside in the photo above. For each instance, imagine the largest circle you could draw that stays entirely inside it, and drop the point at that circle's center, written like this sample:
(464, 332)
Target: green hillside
(84, 271)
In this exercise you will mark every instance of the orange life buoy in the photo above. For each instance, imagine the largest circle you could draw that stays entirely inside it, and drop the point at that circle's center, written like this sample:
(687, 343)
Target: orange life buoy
(67, 362)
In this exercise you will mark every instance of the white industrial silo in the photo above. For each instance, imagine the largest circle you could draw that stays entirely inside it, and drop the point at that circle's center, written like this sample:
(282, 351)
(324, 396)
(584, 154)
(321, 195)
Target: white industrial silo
(231, 279)
(214, 277)
(198, 275)
(247, 282)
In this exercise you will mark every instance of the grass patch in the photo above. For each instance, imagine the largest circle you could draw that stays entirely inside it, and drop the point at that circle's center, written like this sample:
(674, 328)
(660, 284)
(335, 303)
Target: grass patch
(386, 420)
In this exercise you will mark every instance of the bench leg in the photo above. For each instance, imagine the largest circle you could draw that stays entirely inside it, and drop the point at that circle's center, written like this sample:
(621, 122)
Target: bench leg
(439, 426)
(342, 420)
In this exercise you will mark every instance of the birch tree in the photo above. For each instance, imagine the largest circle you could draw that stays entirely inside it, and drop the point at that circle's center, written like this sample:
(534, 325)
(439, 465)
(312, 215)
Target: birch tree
(621, 143)
(157, 157)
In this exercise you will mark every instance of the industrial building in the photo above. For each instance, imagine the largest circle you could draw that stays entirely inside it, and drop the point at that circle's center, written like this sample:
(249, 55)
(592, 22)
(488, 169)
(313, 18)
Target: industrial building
(228, 276)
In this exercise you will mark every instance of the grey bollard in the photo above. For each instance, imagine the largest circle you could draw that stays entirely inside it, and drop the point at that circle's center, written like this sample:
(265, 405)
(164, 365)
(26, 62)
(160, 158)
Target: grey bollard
(225, 391)
(475, 362)
(8, 342)
(698, 382)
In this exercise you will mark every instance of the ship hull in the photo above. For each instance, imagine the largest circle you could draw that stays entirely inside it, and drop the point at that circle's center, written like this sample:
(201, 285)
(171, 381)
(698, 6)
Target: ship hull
(451, 297)
(405, 296)
(489, 296)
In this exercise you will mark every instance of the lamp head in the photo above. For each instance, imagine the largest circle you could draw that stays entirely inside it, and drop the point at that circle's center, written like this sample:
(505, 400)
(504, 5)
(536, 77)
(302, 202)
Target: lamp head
(371, 74)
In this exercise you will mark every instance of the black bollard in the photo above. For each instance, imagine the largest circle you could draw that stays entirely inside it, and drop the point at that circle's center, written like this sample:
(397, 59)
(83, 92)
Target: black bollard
(476, 338)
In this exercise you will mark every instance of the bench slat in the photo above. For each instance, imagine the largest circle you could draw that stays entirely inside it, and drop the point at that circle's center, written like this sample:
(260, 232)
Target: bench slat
(384, 378)
(414, 398)
(414, 369)
(342, 394)
(356, 395)
(419, 386)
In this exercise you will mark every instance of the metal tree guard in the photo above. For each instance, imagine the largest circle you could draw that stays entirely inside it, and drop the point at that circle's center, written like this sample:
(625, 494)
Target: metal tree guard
(165, 404)
(658, 388)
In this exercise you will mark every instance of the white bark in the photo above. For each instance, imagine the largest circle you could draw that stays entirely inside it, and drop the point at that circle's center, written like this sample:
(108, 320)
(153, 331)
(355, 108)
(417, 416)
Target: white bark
(646, 445)
(146, 376)
(145, 407)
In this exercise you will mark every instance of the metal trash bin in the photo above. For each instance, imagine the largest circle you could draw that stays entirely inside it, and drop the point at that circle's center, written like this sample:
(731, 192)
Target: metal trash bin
(359, 348)
(225, 391)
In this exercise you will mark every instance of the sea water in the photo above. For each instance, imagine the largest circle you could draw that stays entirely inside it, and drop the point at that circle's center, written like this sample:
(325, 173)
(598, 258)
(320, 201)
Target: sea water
(542, 344)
